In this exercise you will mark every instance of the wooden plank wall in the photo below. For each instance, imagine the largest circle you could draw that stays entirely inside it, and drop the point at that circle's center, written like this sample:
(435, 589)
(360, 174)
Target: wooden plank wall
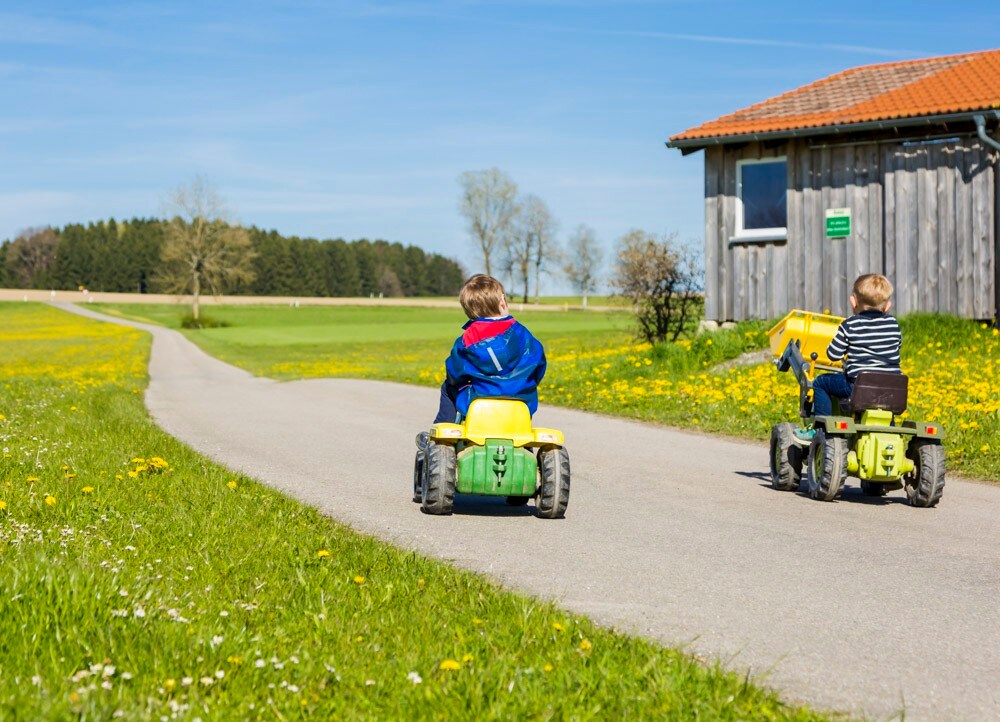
(939, 227)
(921, 214)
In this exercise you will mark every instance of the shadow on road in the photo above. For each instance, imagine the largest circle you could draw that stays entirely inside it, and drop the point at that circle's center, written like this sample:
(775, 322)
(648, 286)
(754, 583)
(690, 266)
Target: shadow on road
(472, 505)
(851, 494)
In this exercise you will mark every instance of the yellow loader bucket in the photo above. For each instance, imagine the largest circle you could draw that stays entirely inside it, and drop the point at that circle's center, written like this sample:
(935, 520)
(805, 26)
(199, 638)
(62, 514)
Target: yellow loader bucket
(813, 331)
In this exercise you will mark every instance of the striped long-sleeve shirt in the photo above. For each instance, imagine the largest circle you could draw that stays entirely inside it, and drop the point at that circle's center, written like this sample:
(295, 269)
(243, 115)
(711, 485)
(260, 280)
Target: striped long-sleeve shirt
(870, 340)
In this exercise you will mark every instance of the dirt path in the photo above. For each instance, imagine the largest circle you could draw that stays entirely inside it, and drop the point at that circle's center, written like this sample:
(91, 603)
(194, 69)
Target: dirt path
(865, 605)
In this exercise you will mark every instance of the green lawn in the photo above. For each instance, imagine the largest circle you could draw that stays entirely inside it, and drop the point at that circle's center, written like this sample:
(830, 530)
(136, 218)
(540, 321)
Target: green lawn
(595, 364)
(140, 578)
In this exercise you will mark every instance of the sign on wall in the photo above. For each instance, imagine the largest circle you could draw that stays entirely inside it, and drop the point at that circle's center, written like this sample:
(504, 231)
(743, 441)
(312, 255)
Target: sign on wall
(838, 222)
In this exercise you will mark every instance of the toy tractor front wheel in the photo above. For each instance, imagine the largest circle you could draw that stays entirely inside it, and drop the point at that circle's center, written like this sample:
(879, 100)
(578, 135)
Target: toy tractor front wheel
(786, 458)
(827, 466)
(439, 478)
(553, 491)
(925, 484)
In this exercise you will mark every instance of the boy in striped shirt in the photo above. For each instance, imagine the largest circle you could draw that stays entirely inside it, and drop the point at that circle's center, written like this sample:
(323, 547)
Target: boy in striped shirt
(867, 341)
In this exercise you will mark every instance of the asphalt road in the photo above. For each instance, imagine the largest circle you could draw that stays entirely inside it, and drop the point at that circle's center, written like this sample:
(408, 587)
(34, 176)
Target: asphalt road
(861, 605)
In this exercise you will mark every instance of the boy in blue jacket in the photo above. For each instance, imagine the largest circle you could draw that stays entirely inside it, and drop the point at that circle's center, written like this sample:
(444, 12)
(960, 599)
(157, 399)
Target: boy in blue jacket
(494, 356)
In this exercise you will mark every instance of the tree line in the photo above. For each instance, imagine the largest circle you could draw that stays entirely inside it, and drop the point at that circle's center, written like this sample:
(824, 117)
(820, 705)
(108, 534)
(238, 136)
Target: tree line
(130, 256)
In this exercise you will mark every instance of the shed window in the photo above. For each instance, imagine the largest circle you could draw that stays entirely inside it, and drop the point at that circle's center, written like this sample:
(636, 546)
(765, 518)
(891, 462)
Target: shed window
(761, 199)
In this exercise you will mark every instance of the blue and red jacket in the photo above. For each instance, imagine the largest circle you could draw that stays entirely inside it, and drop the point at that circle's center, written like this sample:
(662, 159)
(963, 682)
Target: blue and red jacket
(496, 357)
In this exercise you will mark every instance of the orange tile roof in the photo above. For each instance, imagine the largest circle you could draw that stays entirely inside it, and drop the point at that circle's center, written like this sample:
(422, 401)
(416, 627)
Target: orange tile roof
(933, 86)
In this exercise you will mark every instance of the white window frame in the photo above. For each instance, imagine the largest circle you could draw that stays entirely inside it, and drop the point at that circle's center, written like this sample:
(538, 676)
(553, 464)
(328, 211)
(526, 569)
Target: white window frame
(757, 234)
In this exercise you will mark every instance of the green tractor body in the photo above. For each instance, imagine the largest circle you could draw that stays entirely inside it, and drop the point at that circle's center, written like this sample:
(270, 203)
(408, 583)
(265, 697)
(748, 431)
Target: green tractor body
(497, 468)
(865, 439)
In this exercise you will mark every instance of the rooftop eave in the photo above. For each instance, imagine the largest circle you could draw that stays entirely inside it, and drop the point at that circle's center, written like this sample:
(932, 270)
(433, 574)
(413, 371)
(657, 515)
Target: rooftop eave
(690, 145)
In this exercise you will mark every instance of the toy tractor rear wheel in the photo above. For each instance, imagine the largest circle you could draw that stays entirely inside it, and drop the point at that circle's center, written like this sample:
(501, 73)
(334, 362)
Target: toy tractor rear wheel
(439, 478)
(553, 491)
(827, 466)
(925, 484)
(418, 474)
(786, 458)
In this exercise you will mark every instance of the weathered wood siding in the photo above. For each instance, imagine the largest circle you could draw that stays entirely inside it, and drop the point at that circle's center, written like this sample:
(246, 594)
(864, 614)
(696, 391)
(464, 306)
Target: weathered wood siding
(921, 214)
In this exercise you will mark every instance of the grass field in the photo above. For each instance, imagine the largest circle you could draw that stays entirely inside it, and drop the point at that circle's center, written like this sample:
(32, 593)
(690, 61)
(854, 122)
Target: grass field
(595, 364)
(141, 580)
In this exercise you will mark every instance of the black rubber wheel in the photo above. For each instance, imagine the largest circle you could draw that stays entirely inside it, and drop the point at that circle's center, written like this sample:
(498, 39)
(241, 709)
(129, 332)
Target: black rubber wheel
(418, 472)
(439, 478)
(827, 466)
(925, 484)
(786, 458)
(874, 488)
(553, 491)
(518, 500)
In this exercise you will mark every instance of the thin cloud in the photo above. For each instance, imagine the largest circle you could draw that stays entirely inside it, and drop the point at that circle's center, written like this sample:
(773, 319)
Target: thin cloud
(30, 30)
(734, 40)
(768, 43)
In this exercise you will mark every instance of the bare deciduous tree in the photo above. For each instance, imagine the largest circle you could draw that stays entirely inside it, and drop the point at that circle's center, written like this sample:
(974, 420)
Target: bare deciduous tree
(661, 278)
(201, 251)
(489, 205)
(540, 226)
(31, 256)
(583, 261)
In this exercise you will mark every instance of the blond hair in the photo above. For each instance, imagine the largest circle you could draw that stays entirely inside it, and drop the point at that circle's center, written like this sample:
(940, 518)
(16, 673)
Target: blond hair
(873, 290)
(481, 296)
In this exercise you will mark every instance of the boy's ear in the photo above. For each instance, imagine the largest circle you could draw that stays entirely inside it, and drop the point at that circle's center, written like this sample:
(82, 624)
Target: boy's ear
(854, 302)
(888, 305)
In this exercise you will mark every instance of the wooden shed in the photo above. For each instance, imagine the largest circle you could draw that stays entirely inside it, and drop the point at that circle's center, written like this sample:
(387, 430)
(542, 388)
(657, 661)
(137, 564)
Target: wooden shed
(889, 168)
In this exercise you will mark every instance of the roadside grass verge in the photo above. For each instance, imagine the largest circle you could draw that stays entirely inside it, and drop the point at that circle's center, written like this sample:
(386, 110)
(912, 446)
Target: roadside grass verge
(139, 578)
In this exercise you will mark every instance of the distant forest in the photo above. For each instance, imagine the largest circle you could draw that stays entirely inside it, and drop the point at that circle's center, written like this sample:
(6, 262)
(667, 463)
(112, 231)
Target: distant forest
(123, 256)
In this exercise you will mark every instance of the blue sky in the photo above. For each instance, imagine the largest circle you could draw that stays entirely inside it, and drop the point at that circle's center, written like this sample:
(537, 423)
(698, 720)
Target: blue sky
(354, 119)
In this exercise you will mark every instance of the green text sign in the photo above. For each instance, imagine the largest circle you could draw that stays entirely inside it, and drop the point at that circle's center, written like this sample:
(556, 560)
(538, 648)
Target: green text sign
(838, 222)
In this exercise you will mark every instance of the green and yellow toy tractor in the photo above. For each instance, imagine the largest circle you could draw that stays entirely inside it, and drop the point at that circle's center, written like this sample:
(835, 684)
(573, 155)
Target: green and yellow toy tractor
(864, 438)
(495, 451)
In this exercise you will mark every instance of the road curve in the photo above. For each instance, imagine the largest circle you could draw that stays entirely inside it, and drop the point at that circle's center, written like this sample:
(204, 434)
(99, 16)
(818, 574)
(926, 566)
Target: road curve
(863, 605)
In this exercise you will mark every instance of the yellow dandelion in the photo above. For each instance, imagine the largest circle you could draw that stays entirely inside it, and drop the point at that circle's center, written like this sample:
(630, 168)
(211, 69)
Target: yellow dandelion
(87, 489)
(450, 665)
(70, 476)
(169, 685)
(119, 477)
(234, 659)
(557, 626)
(50, 500)
(467, 658)
(547, 668)
(322, 553)
(231, 484)
(585, 645)
(359, 580)
(65, 468)
(984, 447)
(133, 474)
(477, 621)
(138, 460)
(32, 479)
(3, 505)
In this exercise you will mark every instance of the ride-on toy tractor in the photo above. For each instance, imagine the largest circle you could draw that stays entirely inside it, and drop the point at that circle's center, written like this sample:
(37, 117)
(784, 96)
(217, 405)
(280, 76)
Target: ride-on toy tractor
(495, 451)
(863, 438)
